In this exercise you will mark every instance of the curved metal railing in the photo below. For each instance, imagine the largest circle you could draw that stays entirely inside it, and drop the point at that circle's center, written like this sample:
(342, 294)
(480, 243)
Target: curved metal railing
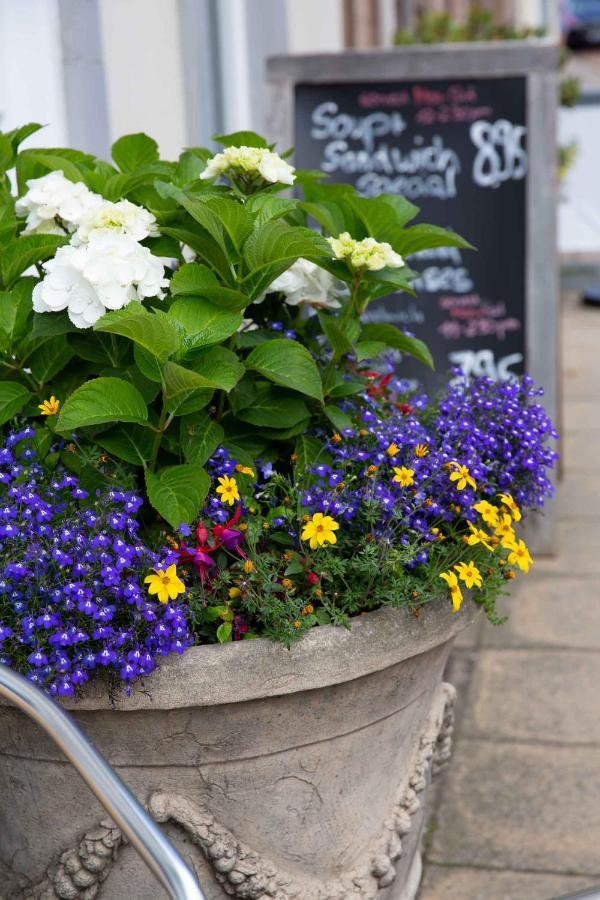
(157, 852)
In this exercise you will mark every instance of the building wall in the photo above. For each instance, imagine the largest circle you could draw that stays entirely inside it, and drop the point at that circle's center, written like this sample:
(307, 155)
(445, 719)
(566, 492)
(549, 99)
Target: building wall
(141, 44)
(31, 74)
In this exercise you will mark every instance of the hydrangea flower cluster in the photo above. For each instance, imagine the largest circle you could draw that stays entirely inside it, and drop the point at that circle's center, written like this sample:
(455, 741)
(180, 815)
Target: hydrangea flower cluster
(105, 266)
(250, 163)
(366, 254)
(306, 284)
(72, 598)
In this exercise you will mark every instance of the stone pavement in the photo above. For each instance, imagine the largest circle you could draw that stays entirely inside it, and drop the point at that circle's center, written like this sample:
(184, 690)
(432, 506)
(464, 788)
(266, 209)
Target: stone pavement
(516, 816)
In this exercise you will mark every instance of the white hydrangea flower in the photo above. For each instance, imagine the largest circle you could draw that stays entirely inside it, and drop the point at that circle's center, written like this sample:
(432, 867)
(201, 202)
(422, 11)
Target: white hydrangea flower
(306, 283)
(53, 204)
(108, 272)
(250, 161)
(366, 254)
(122, 217)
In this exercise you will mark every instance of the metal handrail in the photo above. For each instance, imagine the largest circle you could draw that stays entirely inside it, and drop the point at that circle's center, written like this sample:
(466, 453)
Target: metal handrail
(157, 852)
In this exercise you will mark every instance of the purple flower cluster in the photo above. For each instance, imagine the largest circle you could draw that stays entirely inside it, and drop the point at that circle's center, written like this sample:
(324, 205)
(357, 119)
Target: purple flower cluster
(497, 430)
(72, 600)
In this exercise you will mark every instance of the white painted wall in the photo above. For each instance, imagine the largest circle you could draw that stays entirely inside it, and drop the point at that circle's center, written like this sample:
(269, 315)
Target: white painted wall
(143, 67)
(579, 209)
(31, 85)
(314, 26)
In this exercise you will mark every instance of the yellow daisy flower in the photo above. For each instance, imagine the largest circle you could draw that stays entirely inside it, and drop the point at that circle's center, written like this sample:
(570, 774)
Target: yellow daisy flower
(320, 530)
(469, 573)
(478, 536)
(504, 530)
(228, 489)
(514, 509)
(245, 470)
(461, 476)
(488, 512)
(165, 584)
(393, 449)
(455, 591)
(49, 407)
(421, 450)
(520, 556)
(404, 476)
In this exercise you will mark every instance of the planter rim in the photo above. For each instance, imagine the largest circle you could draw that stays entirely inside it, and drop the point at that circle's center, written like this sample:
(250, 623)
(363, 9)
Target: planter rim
(214, 674)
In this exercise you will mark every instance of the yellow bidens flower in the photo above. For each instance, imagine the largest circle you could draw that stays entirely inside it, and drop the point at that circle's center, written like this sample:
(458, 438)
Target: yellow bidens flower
(455, 591)
(320, 530)
(404, 476)
(488, 512)
(514, 509)
(234, 593)
(520, 556)
(248, 566)
(478, 536)
(165, 584)
(245, 470)
(393, 449)
(469, 573)
(366, 254)
(228, 489)
(461, 476)
(49, 407)
(505, 532)
(421, 450)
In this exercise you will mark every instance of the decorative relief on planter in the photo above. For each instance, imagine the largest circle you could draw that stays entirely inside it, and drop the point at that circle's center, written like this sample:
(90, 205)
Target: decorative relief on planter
(241, 871)
(81, 870)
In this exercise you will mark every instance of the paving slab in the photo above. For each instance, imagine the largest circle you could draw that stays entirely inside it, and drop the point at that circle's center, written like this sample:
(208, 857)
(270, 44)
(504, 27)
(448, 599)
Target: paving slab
(549, 611)
(520, 807)
(535, 695)
(578, 548)
(457, 883)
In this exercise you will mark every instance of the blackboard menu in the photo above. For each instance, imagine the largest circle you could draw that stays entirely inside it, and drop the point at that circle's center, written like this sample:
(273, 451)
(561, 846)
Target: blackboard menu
(457, 149)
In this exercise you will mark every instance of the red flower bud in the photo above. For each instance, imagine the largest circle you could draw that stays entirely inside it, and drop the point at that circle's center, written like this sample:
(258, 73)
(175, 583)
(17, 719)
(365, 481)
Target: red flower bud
(202, 534)
(312, 578)
(405, 408)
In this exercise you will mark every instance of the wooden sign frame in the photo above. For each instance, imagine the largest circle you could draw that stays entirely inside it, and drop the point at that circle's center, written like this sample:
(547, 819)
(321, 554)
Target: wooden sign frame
(535, 60)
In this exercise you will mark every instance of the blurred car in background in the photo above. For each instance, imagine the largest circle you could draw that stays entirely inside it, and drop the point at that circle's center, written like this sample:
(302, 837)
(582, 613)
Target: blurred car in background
(580, 23)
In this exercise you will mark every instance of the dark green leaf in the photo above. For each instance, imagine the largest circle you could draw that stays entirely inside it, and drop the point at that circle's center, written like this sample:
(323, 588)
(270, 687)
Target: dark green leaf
(369, 349)
(393, 337)
(149, 330)
(200, 437)
(50, 358)
(25, 251)
(274, 409)
(13, 398)
(338, 419)
(178, 492)
(16, 312)
(240, 139)
(218, 365)
(203, 321)
(427, 237)
(132, 151)
(339, 341)
(132, 443)
(102, 400)
(185, 391)
(289, 364)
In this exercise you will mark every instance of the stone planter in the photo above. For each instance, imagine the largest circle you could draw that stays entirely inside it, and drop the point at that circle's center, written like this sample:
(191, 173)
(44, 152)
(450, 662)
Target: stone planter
(295, 775)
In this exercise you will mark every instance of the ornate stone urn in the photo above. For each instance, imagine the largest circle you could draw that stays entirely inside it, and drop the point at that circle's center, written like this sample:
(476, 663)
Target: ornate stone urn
(295, 775)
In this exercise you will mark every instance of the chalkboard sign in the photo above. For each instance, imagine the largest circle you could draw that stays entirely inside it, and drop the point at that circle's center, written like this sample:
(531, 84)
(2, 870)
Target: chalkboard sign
(458, 150)
(468, 133)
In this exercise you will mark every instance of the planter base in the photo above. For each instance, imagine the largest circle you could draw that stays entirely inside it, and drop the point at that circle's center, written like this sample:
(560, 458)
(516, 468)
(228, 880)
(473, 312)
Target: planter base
(294, 793)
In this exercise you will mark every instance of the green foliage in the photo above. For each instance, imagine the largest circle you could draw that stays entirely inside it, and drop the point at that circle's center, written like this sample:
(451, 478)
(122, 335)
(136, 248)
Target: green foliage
(160, 384)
